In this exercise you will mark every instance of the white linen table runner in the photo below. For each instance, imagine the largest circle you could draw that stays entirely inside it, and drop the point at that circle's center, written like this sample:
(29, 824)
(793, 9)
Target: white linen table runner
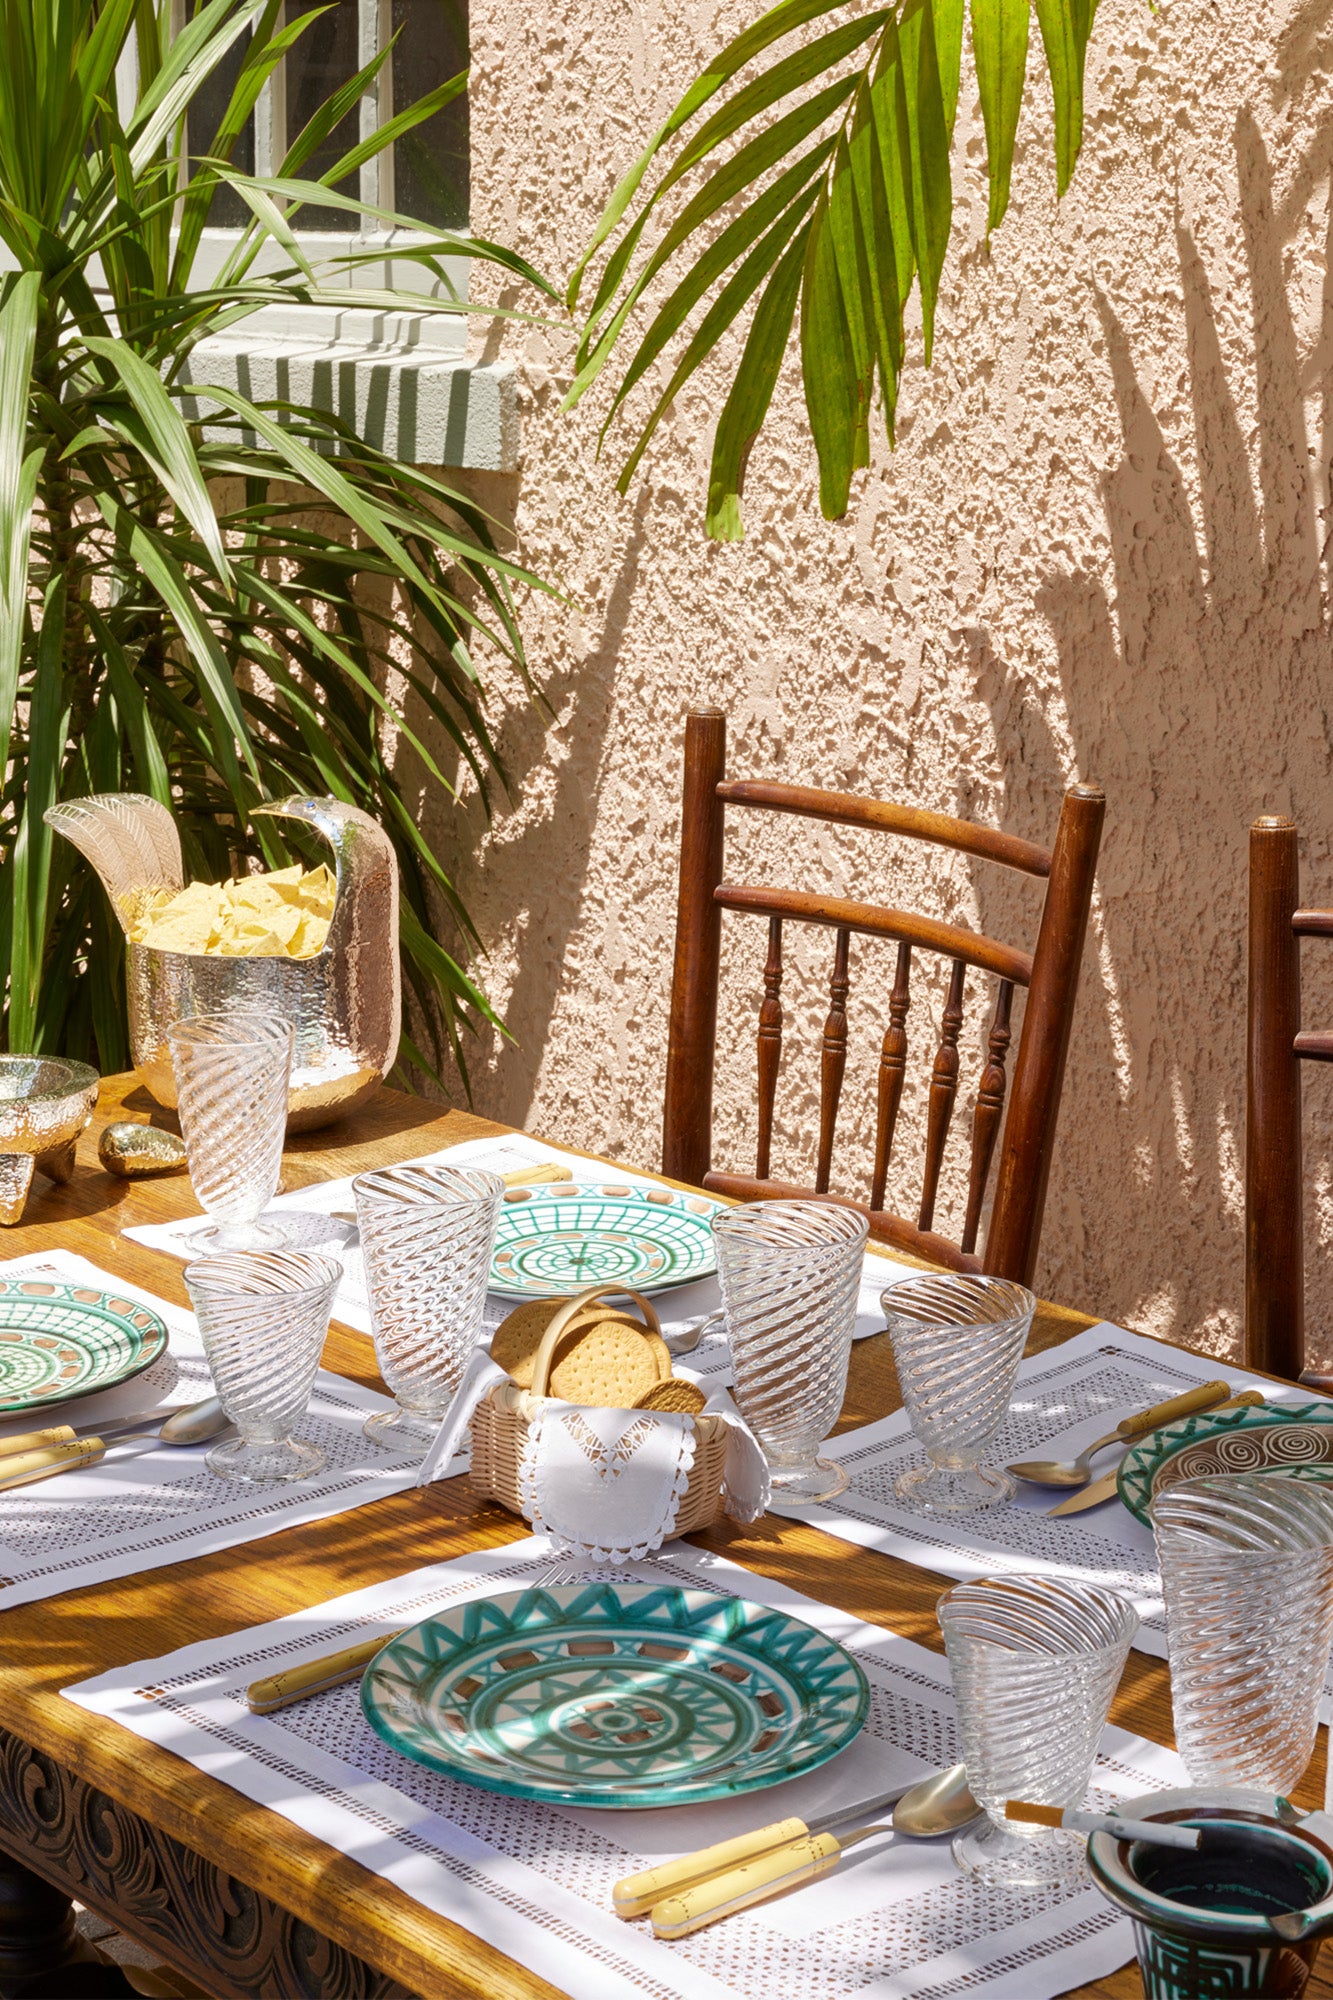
(145, 1506)
(1065, 1398)
(896, 1921)
(309, 1214)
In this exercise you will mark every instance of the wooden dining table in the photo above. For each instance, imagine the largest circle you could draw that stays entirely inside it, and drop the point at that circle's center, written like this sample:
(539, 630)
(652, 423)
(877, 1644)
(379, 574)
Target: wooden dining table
(237, 1898)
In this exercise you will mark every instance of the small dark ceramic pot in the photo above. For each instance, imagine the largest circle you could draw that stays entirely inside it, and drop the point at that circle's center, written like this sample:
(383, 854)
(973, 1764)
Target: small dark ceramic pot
(1244, 1915)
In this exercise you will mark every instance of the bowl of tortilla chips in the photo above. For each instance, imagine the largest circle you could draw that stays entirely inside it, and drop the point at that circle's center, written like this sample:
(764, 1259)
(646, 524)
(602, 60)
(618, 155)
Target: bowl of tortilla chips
(318, 945)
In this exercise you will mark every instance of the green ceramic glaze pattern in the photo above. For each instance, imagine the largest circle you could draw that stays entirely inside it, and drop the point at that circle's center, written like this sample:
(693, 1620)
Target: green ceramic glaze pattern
(601, 1694)
(1291, 1438)
(58, 1341)
(558, 1241)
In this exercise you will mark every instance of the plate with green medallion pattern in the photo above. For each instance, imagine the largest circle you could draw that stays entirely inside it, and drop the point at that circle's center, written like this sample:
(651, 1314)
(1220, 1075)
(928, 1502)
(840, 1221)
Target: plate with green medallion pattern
(554, 1241)
(59, 1341)
(1291, 1438)
(600, 1694)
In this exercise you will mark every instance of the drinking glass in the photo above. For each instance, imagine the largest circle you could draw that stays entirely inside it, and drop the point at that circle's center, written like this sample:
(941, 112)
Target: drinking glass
(232, 1072)
(263, 1315)
(426, 1235)
(957, 1342)
(1035, 1662)
(790, 1273)
(1247, 1574)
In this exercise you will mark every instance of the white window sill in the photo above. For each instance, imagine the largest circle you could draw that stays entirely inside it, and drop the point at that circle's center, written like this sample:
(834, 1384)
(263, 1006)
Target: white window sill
(402, 380)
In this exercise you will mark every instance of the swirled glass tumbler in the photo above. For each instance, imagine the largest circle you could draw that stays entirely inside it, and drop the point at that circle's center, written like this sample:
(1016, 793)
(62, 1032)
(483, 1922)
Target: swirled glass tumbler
(232, 1072)
(791, 1273)
(1247, 1574)
(957, 1341)
(1035, 1662)
(263, 1315)
(426, 1235)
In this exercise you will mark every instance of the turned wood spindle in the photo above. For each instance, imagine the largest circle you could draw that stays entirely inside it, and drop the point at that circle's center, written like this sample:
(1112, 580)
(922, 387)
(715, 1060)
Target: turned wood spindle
(833, 1060)
(986, 1117)
(943, 1090)
(892, 1069)
(770, 1047)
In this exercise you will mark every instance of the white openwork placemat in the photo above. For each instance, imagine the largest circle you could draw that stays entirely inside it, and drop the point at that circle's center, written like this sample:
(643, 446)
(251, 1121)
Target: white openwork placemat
(309, 1213)
(149, 1505)
(896, 1921)
(1065, 1398)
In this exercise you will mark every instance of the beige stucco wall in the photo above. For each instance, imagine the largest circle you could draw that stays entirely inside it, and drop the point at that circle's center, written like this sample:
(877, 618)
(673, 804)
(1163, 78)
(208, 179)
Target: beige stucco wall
(1098, 552)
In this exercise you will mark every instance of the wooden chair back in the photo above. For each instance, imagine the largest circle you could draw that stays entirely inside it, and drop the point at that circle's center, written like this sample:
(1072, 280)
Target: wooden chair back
(1276, 1047)
(1050, 973)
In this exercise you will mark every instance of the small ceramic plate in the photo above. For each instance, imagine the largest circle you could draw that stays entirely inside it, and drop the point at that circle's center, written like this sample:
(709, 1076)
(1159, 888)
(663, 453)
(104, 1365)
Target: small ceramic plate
(62, 1341)
(558, 1240)
(599, 1694)
(1295, 1438)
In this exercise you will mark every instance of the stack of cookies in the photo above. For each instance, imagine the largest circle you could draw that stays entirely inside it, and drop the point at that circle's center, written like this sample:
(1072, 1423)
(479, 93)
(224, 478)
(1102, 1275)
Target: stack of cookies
(604, 1360)
(600, 1356)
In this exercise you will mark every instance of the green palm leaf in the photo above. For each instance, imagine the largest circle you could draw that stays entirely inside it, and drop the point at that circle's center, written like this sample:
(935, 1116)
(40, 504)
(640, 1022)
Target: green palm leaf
(859, 116)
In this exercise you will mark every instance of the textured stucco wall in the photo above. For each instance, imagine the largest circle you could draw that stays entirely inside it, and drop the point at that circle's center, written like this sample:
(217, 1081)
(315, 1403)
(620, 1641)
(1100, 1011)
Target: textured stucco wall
(1098, 552)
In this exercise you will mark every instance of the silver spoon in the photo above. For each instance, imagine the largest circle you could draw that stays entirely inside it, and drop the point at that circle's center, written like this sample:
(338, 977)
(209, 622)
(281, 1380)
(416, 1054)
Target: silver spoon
(689, 1337)
(1078, 1471)
(939, 1804)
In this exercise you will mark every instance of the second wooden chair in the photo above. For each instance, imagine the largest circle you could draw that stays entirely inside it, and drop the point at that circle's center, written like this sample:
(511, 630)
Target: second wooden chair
(1276, 1048)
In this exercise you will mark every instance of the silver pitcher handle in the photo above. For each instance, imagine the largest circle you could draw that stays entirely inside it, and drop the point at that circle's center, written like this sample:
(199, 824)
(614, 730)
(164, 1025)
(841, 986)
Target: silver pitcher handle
(130, 839)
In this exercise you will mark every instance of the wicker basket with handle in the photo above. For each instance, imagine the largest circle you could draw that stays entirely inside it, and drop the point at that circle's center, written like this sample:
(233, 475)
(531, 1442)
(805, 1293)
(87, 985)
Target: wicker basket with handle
(500, 1426)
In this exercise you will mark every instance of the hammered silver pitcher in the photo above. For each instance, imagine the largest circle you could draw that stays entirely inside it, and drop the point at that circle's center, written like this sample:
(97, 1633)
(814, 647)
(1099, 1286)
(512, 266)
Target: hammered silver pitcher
(345, 1003)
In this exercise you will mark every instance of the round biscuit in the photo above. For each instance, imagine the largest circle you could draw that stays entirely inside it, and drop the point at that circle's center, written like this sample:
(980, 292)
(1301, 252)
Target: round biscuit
(515, 1341)
(607, 1365)
(676, 1395)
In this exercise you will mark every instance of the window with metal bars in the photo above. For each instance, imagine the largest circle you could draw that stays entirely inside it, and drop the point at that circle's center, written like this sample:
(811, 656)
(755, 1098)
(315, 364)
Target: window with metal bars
(423, 175)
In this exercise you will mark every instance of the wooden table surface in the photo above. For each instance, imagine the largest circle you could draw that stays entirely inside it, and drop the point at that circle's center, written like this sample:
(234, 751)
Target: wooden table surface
(46, 1646)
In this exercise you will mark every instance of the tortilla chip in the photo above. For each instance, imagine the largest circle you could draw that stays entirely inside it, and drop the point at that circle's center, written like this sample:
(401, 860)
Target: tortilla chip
(282, 915)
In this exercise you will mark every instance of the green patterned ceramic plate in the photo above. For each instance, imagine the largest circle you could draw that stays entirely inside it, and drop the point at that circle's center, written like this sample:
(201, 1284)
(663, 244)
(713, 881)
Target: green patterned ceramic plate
(556, 1241)
(1295, 1438)
(598, 1694)
(61, 1341)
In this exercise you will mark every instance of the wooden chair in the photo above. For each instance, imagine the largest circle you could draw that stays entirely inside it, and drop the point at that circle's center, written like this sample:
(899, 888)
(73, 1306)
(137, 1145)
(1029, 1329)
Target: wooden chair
(1050, 973)
(1276, 1048)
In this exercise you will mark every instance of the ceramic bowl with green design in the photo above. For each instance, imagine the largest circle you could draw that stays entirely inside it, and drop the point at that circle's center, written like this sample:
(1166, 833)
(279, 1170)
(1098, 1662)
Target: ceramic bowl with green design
(1291, 1438)
(628, 1695)
(552, 1242)
(59, 1341)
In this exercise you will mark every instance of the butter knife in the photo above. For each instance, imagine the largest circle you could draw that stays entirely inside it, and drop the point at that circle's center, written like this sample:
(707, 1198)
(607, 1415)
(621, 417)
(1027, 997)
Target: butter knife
(293, 1684)
(1099, 1491)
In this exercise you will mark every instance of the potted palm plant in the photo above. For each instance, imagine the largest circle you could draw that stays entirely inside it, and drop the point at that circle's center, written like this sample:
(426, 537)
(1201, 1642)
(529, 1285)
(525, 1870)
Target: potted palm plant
(201, 593)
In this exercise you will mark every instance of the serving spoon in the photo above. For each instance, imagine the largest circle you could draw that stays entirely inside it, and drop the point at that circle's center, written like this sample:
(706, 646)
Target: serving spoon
(1078, 1471)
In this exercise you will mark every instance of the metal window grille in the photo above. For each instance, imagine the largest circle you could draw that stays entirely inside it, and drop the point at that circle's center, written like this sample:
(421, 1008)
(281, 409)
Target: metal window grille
(423, 175)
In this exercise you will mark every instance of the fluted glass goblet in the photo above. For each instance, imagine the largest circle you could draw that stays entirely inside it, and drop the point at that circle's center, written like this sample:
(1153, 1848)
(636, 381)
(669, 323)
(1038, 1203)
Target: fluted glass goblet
(1034, 1662)
(790, 1273)
(427, 1233)
(1247, 1575)
(263, 1315)
(232, 1071)
(957, 1341)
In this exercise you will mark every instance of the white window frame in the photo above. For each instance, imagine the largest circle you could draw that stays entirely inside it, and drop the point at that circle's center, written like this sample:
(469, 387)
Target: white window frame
(404, 376)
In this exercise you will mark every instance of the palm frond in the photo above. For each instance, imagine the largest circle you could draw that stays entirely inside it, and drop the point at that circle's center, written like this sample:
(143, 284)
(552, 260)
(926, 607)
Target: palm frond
(830, 162)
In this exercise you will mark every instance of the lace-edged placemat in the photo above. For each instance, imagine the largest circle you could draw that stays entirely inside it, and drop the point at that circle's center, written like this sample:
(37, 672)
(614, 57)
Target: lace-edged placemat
(315, 1215)
(148, 1505)
(1065, 1398)
(896, 1921)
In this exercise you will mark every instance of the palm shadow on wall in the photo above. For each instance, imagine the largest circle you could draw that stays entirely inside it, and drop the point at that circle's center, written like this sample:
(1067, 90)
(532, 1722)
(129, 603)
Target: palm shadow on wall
(510, 881)
(1198, 699)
